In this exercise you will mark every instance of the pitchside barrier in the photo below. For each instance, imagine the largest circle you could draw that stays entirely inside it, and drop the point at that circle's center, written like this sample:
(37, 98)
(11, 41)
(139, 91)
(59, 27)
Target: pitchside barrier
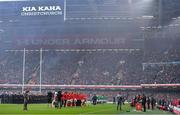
(132, 87)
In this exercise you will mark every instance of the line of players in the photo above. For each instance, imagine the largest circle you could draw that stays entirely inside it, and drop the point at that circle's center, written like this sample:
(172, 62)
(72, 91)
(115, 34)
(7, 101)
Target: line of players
(144, 101)
(63, 99)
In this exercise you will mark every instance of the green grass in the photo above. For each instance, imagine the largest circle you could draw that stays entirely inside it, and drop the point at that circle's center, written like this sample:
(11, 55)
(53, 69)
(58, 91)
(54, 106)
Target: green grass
(9, 109)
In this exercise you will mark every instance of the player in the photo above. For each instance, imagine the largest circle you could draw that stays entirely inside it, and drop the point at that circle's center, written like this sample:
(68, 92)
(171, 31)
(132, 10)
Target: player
(148, 102)
(54, 102)
(59, 99)
(64, 97)
(50, 96)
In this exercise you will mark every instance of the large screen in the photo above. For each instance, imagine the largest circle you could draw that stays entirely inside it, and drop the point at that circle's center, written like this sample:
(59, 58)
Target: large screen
(71, 24)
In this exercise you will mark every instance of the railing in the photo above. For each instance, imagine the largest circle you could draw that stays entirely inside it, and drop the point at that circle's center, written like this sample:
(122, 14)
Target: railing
(91, 86)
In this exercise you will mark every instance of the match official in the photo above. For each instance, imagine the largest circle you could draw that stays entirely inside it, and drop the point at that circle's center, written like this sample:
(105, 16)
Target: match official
(144, 102)
(94, 99)
(119, 101)
(26, 99)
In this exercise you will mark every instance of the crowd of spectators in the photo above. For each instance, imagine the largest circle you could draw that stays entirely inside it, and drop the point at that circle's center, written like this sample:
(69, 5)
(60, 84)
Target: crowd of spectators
(92, 68)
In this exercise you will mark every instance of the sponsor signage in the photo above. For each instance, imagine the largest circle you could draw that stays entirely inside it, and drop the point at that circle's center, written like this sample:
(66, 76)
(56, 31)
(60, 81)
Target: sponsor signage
(41, 10)
(18, 9)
